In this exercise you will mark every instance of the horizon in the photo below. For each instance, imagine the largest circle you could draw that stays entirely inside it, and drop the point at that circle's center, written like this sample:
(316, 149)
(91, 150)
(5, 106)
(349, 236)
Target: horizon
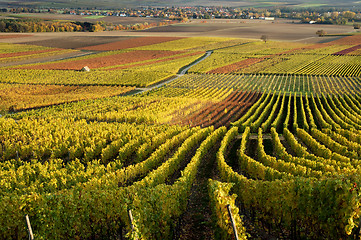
(114, 4)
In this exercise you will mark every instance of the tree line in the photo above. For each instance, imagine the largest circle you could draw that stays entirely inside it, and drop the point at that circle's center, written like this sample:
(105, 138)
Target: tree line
(38, 25)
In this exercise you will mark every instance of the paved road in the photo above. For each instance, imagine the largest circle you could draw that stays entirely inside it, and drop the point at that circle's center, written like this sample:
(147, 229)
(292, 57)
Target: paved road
(181, 73)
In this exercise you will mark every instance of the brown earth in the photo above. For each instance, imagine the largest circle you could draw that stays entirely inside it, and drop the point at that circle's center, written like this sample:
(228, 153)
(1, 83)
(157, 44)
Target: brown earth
(75, 41)
(129, 43)
(14, 36)
(277, 30)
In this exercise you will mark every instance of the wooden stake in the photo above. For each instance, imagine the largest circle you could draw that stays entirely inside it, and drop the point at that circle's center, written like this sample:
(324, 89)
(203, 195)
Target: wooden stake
(30, 231)
(130, 219)
(233, 223)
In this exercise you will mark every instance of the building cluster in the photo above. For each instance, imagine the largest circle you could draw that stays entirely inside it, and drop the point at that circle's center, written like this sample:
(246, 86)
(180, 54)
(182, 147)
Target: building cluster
(177, 13)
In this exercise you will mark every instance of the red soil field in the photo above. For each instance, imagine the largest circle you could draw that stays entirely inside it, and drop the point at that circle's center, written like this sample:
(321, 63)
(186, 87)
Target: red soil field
(348, 50)
(350, 40)
(130, 43)
(14, 36)
(17, 54)
(105, 61)
(156, 61)
(224, 112)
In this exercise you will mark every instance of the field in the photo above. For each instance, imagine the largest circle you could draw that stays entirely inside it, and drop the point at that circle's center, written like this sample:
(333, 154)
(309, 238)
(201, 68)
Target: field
(163, 134)
(82, 18)
(281, 29)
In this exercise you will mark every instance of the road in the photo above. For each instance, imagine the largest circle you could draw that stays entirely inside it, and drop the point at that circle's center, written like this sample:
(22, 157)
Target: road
(180, 74)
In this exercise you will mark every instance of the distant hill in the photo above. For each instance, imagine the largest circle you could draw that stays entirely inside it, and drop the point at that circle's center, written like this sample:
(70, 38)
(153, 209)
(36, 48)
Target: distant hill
(114, 4)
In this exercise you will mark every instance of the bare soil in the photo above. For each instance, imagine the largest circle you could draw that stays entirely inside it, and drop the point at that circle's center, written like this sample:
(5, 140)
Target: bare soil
(130, 43)
(6, 36)
(246, 28)
(282, 30)
(196, 222)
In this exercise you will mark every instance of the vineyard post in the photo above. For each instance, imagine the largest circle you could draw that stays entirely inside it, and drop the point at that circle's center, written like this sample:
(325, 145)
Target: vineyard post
(30, 231)
(131, 221)
(232, 221)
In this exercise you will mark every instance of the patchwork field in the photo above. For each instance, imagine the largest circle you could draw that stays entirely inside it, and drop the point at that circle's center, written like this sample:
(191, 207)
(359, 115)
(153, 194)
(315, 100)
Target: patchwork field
(172, 131)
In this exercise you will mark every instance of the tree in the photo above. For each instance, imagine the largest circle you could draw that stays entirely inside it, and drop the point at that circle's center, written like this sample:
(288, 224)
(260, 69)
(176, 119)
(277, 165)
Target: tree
(321, 33)
(348, 14)
(2, 26)
(264, 38)
(97, 28)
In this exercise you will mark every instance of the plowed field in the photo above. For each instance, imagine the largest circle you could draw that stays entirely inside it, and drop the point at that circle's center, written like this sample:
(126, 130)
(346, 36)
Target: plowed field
(130, 43)
(14, 36)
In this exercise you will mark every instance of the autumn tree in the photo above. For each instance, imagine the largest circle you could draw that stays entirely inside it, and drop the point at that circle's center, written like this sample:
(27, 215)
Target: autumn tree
(264, 38)
(321, 33)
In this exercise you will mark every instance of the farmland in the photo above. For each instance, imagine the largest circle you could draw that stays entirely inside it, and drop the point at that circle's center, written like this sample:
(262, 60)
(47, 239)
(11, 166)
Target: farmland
(172, 130)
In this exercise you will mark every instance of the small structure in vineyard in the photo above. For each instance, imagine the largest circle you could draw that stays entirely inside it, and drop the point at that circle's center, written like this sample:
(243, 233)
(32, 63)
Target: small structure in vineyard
(85, 69)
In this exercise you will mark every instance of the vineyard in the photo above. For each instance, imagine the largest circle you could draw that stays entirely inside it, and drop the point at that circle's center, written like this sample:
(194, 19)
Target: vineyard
(17, 52)
(265, 134)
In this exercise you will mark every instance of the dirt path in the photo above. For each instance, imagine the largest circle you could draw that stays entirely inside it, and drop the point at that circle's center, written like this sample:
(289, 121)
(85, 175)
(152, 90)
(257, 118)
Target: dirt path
(196, 222)
(264, 136)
